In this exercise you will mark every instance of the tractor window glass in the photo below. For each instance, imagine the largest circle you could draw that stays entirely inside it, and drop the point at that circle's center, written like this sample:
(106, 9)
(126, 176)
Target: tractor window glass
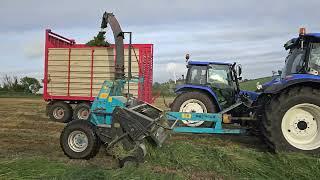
(198, 74)
(219, 74)
(294, 62)
(314, 59)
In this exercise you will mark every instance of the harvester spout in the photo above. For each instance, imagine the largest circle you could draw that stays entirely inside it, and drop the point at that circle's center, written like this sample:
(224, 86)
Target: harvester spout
(109, 18)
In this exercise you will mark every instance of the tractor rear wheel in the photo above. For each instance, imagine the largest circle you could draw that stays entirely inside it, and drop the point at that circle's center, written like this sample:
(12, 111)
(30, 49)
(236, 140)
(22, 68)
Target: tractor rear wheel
(81, 111)
(78, 140)
(60, 112)
(292, 121)
(196, 102)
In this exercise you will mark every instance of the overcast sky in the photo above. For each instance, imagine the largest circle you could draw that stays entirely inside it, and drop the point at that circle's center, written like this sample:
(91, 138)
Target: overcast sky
(245, 31)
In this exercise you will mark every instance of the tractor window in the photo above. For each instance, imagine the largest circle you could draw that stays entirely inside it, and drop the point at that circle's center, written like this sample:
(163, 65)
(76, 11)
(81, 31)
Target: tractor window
(314, 59)
(294, 62)
(197, 75)
(219, 74)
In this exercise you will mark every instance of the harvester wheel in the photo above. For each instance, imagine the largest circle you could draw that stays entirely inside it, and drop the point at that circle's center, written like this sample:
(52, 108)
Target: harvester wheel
(292, 121)
(78, 140)
(135, 158)
(60, 112)
(129, 161)
(81, 111)
(197, 102)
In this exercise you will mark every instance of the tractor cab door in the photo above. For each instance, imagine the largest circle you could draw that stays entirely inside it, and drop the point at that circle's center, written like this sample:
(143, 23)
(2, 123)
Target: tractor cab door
(314, 59)
(219, 78)
(197, 75)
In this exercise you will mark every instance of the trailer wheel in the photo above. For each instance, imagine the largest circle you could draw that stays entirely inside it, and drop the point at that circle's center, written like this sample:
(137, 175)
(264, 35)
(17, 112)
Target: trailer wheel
(60, 112)
(78, 140)
(194, 102)
(81, 111)
(292, 121)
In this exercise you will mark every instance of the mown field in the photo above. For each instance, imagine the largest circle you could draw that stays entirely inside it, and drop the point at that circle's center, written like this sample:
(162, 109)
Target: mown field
(251, 85)
(29, 149)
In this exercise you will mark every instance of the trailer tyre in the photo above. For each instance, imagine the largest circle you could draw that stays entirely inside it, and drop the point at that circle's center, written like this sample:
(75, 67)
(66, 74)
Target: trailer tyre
(81, 111)
(292, 121)
(78, 140)
(60, 112)
(194, 102)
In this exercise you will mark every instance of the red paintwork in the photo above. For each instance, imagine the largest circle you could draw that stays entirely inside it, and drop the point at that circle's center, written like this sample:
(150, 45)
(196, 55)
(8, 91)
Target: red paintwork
(54, 40)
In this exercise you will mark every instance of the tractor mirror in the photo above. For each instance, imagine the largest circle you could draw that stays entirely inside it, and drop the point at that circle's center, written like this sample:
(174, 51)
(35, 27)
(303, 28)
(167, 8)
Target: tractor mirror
(187, 57)
(239, 70)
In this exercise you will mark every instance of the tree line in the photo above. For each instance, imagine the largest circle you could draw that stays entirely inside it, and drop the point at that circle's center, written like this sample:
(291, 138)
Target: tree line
(26, 84)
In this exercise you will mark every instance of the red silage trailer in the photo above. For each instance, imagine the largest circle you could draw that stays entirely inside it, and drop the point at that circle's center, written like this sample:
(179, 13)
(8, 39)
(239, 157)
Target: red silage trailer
(74, 73)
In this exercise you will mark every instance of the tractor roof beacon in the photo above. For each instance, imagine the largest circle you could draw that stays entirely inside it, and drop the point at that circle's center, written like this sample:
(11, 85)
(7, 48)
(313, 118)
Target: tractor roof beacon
(286, 110)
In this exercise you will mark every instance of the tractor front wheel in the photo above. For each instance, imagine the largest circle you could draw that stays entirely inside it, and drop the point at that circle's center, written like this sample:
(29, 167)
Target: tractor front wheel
(78, 140)
(196, 102)
(292, 121)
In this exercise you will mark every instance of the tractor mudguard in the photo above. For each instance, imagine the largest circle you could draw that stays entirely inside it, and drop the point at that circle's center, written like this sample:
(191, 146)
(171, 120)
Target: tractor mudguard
(291, 80)
(251, 94)
(188, 87)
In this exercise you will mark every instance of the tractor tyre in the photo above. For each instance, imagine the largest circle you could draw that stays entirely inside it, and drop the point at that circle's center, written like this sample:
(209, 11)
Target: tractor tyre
(60, 112)
(197, 102)
(292, 121)
(78, 140)
(81, 111)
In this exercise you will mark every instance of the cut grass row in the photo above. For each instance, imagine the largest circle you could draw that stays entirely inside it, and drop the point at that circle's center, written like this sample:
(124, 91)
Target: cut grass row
(176, 160)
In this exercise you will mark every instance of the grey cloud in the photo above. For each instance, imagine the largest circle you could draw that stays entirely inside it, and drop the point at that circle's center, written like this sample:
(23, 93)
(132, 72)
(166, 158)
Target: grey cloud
(35, 14)
(250, 32)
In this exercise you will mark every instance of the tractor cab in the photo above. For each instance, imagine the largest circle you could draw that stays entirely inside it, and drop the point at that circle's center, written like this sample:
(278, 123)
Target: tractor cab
(304, 54)
(302, 61)
(221, 78)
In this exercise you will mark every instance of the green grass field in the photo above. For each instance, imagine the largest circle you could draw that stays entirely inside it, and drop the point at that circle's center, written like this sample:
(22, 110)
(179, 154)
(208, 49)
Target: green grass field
(251, 85)
(29, 149)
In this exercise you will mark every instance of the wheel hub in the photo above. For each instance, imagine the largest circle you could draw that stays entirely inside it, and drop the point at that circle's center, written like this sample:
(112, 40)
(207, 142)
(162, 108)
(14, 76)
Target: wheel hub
(194, 106)
(58, 113)
(300, 126)
(83, 114)
(78, 141)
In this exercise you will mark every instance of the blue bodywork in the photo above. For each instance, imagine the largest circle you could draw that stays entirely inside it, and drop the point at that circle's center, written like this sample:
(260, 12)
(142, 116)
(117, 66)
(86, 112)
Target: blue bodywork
(109, 97)
(316, 35)
(186, 87)
(205, 63)
(253, 96)
(278, 84)
(211, 117)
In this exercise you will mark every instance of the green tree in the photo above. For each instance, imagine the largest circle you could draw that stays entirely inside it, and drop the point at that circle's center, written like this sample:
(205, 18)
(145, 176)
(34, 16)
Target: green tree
(98, 40)
(30, 85)
(165, 89)
(11, 84)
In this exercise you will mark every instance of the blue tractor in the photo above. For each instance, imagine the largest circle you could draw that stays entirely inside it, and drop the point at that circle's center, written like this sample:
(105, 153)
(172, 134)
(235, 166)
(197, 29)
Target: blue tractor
(284, 111)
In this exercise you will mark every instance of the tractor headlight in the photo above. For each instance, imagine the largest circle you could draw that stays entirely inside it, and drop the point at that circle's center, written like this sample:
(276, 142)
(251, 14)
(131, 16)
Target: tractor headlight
(259, 86)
